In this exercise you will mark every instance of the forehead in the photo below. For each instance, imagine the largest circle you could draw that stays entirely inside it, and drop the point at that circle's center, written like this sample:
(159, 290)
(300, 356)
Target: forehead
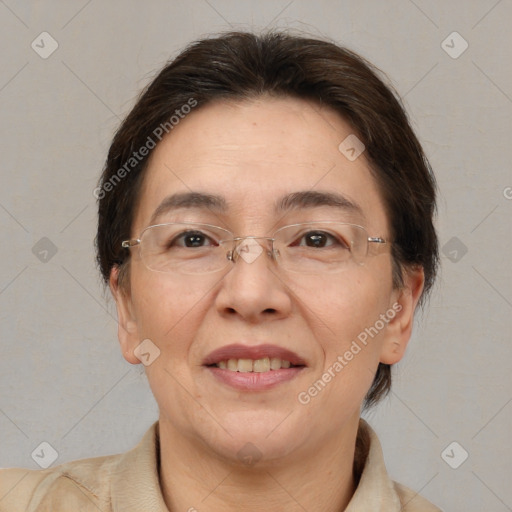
(253, 153)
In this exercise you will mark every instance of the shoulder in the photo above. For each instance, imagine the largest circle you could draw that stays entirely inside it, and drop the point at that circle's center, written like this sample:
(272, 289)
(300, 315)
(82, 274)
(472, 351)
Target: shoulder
(75, 485)
(130, 480)
(412, 502)
(375, 485)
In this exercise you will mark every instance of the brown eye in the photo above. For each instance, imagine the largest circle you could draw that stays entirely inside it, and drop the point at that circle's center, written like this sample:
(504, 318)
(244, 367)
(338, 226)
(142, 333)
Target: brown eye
(321, 239)
(190, 239)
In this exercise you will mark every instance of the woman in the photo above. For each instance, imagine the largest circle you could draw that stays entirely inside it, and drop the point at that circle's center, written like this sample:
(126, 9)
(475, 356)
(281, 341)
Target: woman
(265, 227)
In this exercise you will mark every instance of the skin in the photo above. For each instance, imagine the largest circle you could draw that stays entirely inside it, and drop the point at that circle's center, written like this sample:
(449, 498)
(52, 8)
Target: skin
(251, 153)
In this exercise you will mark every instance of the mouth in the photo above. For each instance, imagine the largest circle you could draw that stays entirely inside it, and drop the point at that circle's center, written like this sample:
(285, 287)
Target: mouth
(253, 368)
(265, 364)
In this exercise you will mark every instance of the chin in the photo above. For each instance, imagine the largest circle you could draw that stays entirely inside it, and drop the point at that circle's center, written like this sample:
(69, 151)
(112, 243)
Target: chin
(256, 437)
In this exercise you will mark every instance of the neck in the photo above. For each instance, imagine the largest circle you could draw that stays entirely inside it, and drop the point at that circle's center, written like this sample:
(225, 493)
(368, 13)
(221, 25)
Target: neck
(194, 479)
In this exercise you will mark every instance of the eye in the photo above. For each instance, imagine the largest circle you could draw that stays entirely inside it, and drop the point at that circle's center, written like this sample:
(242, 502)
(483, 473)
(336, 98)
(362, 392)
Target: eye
(320, 240)
(190, 239)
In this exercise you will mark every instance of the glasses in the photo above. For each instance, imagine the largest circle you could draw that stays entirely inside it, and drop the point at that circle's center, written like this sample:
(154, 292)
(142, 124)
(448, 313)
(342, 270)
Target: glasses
(313, 247)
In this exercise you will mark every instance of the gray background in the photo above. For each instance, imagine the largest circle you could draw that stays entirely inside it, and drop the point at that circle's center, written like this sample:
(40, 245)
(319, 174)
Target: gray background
(62, 378)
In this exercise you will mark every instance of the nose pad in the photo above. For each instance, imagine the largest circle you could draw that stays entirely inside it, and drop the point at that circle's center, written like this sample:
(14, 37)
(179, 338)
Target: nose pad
(249, 249)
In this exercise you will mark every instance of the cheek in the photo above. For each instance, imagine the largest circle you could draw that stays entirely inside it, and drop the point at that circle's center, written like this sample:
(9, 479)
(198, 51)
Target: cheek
(344, 305)
(345, 320)
(166, 311)
(169, 315)
(342, 318)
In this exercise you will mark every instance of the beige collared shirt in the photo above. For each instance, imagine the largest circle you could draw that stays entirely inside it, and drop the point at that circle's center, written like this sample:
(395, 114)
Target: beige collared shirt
(129, 483)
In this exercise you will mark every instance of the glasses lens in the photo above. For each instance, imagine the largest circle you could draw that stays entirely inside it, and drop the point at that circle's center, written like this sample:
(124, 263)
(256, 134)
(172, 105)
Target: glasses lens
(184, 248)
(320, 247)
(315, 247)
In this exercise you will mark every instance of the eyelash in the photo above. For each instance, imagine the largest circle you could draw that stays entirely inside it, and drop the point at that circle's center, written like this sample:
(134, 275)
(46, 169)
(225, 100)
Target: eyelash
(300, 237)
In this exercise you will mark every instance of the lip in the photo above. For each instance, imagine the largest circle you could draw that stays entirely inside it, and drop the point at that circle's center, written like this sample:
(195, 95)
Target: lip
(253, 381)
(237, 351)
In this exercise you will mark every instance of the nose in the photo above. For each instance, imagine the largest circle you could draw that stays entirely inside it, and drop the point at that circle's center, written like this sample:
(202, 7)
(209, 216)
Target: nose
(250, 247)
(253, 288)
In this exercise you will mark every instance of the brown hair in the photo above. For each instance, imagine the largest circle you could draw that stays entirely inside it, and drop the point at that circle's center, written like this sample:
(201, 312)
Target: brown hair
(240, 65)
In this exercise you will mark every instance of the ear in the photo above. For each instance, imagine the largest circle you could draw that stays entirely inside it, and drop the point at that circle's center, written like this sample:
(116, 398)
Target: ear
(399, 329)
(127, 330)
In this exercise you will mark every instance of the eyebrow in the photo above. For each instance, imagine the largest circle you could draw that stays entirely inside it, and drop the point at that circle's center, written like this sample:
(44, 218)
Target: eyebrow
(316, 199)
(189, 200)
(293, 201)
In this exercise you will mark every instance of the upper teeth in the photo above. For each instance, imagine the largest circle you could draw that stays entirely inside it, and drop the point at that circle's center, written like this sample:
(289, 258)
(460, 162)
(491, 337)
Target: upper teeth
(254, 365)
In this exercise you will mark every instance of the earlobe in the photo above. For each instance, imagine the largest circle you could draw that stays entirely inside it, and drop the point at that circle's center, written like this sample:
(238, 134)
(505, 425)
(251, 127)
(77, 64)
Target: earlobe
(399, 328)
(127, 331)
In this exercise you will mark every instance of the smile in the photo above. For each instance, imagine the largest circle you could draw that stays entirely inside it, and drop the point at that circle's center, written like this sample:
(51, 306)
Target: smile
(254, 365)
(253, 368)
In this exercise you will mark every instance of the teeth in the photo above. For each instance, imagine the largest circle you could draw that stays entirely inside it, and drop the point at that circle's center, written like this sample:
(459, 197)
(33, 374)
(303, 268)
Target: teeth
(275, 363)
(262, 365)
(258, 365)
(245, 365)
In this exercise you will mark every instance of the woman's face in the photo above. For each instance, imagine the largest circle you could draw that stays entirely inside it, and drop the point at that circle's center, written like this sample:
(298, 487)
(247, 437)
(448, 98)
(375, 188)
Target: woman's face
(252, 155)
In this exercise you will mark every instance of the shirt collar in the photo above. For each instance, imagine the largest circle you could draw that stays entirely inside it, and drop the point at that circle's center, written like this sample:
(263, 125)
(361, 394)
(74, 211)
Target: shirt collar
(375, 490)
(136, 483)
